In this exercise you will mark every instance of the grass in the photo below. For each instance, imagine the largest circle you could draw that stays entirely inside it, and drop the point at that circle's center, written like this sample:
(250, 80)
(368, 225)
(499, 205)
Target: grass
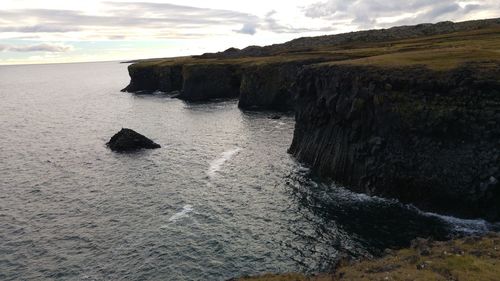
(441, 52)
(471, 258)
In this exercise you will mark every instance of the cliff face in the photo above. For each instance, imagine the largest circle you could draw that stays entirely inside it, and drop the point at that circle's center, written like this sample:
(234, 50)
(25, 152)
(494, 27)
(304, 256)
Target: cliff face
(268, 86)
(210, 81)
(264, 86)
(425, 137)
(146, 78)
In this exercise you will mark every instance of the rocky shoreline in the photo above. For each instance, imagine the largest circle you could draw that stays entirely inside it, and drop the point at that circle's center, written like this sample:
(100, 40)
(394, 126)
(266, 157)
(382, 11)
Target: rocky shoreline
(383, 117)
(471, 258)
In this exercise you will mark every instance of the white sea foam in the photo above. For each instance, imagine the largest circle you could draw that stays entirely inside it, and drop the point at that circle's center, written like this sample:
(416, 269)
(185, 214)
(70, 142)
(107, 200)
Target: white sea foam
(458, 225)
(216, 164)
(182, 213)
(466, 226)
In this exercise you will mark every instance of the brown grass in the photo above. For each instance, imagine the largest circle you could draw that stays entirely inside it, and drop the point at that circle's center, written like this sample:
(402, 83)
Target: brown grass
(463, 259)
(439, 52)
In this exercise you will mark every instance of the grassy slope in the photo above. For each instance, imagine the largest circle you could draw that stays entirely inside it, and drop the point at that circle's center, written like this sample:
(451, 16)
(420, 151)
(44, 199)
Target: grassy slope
(464, 259)
(439, 52)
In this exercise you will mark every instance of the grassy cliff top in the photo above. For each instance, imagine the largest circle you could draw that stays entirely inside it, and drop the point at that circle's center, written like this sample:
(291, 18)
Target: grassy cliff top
(443, 51)
(440, 52)
(471, 258)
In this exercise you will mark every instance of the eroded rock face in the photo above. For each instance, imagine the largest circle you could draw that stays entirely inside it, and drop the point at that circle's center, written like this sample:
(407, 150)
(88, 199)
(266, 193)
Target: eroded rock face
(153, 78)
(424, 137)
(268, 86)
(129, 140)
(210, 81)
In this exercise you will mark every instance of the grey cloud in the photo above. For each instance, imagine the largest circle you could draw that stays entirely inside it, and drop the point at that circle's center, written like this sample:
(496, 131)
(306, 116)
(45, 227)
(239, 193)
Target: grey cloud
(166, 21)
(271, 24)
(135, 14)
(38, 28)
(367, 13)
(117, 37)
(44, 47)
(471, 7)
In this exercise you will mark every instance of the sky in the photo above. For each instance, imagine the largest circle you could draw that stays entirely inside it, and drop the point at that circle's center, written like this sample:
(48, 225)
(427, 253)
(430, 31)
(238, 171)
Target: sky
(34, 31)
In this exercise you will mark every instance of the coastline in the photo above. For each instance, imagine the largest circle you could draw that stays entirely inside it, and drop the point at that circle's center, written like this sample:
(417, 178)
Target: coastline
(470, 258)
(409, 113)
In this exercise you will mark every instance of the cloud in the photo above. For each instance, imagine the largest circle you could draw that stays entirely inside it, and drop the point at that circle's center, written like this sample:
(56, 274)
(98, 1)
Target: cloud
(270, 23)
(248, 28)
(382, 13)
(161, 18)
(43, 47)
(38, 28)
(120, 20)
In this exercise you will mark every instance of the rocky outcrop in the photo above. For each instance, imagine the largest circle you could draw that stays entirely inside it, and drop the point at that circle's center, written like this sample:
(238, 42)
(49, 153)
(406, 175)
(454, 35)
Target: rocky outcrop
(268, 86)
(154, 77)
(129, 140)
(425, 137)
(210, 81)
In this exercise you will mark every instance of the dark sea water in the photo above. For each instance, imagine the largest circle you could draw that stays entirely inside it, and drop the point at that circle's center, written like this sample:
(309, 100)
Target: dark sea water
(220, 199)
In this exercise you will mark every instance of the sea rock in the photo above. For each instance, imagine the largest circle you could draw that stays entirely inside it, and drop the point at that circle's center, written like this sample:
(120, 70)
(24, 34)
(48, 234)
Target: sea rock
(129, 140)
(275, 117)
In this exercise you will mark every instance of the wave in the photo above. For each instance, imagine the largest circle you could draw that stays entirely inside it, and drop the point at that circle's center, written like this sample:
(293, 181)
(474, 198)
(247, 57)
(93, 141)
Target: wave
(186, 209)
(456, 225)
(464, 226)
(216, 164)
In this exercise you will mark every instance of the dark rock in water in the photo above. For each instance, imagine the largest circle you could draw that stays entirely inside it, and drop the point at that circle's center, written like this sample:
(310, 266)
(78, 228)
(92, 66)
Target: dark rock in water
(129, 140)
(275, 117)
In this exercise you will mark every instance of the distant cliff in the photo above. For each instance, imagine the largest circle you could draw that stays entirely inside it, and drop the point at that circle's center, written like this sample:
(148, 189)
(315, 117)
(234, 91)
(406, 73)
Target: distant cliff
(409, 112)
(257, 86)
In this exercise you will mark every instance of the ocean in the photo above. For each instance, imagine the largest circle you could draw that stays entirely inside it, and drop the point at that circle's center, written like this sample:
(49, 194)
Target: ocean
(220, 199)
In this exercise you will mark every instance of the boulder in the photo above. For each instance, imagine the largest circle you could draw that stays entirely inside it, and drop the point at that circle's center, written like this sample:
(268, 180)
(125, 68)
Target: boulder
(129, 140)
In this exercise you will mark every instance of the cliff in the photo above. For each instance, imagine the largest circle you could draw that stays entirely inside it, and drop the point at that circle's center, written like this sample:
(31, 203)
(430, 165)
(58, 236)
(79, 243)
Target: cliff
(263, 83)
(410, 112)
(269, 86)
(210, 81)
(144, 77)
(422, 136)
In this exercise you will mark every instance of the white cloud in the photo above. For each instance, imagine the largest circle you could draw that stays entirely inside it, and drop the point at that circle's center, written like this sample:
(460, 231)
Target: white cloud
(44, 47)
(248, 28)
